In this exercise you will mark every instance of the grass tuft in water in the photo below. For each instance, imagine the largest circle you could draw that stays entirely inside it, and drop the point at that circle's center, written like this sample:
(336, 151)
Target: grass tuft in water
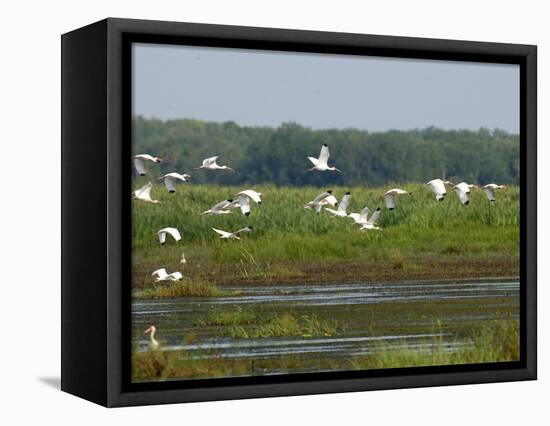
(497, 342)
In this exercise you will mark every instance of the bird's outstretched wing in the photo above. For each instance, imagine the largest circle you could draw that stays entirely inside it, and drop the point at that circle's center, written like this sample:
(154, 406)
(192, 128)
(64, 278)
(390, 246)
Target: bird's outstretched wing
(344, 203)
(314, 160)
(221, 205)
(140, 166)
(210, 160)
(174, 233)
(253, 195)
(242, 230)
(324, 155)
(162, 236)
(144, 191)
(160, 274)
(390, 201)
(363, 216)
(462, 196)
(222, 233)
(244, 204)
(374, 217)
(321, 197)
(490, 194)
(170, 183)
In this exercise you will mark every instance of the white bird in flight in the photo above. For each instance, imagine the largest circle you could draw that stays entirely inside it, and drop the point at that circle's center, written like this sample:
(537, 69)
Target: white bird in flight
(465, 187)
(153, 343)
(324, 199)
(162, 275)
(170, 180)
(223, 207)
(490, 190)
(342, 207)
(170, 231)
(211, 164)
(321, 164)
(389, 196)
(360, 218)
(232, 235)
(461, 194)
(144, 194)
(243, 203)
(438, 188)
(371, 222)
(139, 162)
(253, 195)
(462, 191)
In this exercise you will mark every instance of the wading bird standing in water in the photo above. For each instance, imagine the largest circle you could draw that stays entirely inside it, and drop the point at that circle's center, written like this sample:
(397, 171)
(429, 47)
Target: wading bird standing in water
(211, 164)
(490, 190)
(171, 178)
(171, 231)
(153, 343)
(321, 164)
(342, 207)
(144, 194)
(232, 235)
(139, 162)
(389, 197)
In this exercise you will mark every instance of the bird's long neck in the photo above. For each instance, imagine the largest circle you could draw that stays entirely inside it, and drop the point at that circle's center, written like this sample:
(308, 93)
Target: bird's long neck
(152, 337)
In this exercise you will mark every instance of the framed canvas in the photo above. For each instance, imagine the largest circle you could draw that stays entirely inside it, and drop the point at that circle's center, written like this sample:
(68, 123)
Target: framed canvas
(254, 212)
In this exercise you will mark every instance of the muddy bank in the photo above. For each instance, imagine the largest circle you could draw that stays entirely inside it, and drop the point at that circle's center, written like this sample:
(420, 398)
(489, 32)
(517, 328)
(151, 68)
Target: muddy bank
(448, 267)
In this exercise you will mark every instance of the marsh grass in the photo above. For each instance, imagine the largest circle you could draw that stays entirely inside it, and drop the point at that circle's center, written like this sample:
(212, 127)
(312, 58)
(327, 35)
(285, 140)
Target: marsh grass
(286, 324)
(286, 237)
(496, 342)
(237, 317)
(184, 288)
(245, 323)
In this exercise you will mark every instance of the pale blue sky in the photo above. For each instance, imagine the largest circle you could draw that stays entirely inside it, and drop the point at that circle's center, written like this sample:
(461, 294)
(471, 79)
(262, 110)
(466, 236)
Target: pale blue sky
(266, 88)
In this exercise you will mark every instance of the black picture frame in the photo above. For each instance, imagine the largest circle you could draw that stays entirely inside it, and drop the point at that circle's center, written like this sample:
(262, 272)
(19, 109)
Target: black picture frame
(96, 132)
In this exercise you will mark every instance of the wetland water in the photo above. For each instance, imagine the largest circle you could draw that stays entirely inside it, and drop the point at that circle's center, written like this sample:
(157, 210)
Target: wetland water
(412, 314)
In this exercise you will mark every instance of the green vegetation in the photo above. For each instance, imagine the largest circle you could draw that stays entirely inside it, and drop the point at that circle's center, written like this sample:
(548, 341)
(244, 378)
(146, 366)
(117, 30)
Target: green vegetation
(184, 288)
(496, 342)
(286, 324)
(421, 238)
(247, 324)
(278, 155)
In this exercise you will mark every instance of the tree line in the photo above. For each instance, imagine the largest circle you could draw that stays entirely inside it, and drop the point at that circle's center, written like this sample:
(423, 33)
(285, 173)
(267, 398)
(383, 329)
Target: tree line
(279, 155)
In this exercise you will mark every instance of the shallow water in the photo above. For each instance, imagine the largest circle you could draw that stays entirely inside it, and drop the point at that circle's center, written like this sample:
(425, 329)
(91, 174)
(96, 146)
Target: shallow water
(396, 314)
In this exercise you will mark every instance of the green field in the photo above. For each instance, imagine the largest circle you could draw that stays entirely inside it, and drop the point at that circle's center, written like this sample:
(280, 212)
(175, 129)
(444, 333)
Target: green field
(421, 238)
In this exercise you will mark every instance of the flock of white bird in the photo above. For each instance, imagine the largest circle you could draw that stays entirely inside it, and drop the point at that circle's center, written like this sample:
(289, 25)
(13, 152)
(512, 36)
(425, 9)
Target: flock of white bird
(245, 199)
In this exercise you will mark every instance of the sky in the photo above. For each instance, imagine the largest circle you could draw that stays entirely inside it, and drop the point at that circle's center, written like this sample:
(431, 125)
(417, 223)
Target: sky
(267, 88)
